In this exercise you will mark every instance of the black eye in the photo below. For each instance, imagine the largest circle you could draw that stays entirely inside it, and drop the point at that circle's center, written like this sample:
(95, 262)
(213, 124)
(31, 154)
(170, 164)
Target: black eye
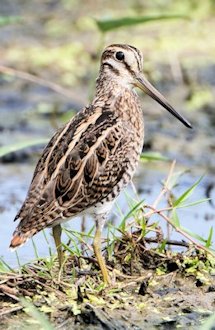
(120, 56)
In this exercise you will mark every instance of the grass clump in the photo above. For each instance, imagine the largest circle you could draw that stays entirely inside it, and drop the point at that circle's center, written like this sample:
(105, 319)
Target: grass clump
(140, 262)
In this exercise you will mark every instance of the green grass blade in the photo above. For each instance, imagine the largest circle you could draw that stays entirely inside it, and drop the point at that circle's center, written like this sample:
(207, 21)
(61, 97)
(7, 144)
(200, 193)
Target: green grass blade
(187, 193)
(21, 145)
(174, 180)
(194, 235)
(90, 232)
(210, 237)
(6, 20)
(79, 234)
(72, 252)
(105, 25)
(203, 200)
(153, 156)
(129, 214)
(35, 248)
(76, 251)
(118, 212)
(38, 316)
(48, 244)
(162, 246)
(4, 267)
(209, 323)
(131, 200)
(18, 260)
(175, 218)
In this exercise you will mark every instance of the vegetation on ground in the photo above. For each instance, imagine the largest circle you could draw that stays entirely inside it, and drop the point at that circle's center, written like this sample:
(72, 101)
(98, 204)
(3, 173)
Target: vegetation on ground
(160, 280)
(139, 257)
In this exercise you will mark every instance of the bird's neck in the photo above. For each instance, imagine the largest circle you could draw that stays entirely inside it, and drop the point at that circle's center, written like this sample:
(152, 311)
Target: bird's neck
(111, 95)
(109, 87)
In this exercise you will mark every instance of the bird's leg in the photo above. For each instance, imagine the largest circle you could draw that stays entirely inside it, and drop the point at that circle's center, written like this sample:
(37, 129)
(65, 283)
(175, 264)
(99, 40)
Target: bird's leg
(100, 220)
(57, 230)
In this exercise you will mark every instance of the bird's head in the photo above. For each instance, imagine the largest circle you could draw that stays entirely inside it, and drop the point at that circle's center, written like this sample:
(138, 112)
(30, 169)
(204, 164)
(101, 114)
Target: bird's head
(124, 63)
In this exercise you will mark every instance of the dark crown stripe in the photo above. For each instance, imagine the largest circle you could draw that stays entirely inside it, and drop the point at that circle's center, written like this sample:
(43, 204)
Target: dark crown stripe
(135, 51)
(119, 46)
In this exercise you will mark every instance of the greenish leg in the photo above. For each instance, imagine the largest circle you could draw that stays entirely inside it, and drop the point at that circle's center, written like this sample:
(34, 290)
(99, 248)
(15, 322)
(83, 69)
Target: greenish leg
(97, 251)
(57, 231)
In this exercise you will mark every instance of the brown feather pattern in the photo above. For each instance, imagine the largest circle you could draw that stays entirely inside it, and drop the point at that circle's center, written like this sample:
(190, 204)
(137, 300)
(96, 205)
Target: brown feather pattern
(89, 160)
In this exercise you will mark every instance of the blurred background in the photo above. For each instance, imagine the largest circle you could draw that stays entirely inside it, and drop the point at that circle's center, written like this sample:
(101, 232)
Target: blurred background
(50, 53)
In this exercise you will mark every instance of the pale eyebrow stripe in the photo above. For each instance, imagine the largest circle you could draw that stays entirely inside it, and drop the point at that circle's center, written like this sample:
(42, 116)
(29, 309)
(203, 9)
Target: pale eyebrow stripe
(137, 56)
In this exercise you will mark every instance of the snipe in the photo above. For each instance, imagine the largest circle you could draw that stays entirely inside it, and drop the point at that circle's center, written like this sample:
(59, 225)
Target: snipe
(94, 156)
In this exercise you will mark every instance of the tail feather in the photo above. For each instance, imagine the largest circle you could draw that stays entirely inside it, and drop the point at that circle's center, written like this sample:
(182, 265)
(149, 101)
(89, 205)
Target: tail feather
(20, 237)
(23, 232)
(18, 240)
(30, 224)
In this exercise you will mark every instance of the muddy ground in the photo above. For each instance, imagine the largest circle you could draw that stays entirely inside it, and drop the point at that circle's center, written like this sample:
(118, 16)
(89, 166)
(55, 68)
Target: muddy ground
(172, 303)
(151, 290)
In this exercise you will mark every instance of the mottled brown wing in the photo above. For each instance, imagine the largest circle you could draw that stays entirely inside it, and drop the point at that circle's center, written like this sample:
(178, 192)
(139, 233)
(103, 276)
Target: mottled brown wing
(35, 186)
(91, 173)
(51, 154)
(80, 168)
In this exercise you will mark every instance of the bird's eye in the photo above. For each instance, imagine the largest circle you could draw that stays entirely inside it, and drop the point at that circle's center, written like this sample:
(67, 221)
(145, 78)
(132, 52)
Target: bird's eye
(120, 56)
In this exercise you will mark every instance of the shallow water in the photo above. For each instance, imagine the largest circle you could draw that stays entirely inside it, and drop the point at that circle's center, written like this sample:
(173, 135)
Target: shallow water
(14, 183)
(26, 113)
(191, 148)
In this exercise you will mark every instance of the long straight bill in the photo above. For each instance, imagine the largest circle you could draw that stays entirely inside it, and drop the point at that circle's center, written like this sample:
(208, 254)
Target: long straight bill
(145, 86)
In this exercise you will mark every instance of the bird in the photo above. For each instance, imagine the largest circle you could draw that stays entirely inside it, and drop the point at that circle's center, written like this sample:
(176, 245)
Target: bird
(93, 157)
